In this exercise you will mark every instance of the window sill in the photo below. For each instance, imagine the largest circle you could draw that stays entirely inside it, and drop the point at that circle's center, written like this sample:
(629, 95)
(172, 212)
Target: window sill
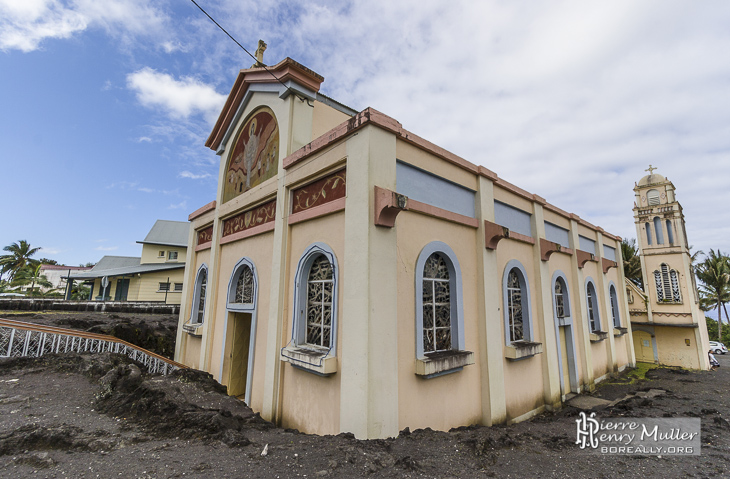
(598, 336)
(310, 360)
(193, 329)
(522, 349)
(564, 321)
(445, 362)
(620, 331)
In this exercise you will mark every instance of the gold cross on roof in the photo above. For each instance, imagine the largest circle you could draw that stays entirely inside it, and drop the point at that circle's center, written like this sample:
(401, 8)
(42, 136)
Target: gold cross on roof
(651, 169)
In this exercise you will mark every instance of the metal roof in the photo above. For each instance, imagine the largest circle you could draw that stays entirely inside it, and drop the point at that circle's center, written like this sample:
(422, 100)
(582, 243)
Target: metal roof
(121, 266)
(169, 233)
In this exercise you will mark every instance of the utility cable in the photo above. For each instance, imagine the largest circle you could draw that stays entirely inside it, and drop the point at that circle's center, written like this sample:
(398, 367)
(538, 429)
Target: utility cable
(301, 98)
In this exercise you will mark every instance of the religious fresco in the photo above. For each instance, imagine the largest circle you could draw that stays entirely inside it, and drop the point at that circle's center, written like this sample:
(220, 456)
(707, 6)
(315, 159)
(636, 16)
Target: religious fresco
(248, 219)
(322, 191)
(255, 156)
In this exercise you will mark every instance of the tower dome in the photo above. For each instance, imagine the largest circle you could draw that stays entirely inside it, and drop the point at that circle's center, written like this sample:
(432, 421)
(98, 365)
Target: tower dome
(651, 178)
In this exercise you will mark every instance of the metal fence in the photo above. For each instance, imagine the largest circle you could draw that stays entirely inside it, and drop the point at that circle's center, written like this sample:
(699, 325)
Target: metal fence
(19, 339)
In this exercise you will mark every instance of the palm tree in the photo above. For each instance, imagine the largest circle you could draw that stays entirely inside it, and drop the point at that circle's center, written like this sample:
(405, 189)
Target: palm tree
(632, 262)
(31, 275)
(714, 273)
(19, 257)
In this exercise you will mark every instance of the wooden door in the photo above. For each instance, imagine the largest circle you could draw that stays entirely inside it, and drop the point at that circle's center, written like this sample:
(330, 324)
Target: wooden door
(238, 368)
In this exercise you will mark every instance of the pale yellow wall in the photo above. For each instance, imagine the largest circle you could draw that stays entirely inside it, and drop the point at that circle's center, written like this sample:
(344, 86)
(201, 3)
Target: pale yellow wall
(505, 196)
(324, 118)
(453, 399)
(309, 402)
(150, 253)
(562, 262)
(429, 162)
(672, 348)
(523, 379)
(191, 353)
(259, 250)
(148, 285)
(556, 219)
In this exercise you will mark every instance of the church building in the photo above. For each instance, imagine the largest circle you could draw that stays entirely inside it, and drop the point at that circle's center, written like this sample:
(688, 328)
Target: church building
(668, 326)
(351, 276)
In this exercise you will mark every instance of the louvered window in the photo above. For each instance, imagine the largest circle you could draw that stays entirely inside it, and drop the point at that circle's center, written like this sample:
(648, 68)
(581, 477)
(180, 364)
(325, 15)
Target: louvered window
(652, 197)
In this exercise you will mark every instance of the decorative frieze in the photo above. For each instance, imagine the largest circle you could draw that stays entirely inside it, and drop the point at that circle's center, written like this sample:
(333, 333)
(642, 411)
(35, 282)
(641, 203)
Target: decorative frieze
(205, 235)
(325, 190)
(250, 218)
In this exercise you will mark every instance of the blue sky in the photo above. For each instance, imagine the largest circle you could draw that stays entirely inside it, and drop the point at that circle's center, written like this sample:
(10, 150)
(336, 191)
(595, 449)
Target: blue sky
(105, 106)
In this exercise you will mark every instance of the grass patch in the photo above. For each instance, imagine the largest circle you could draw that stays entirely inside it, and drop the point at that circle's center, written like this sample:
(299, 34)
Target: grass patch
(639, 372)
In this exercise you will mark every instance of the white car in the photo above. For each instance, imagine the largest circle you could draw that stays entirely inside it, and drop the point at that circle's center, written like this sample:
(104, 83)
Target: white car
(717, 348)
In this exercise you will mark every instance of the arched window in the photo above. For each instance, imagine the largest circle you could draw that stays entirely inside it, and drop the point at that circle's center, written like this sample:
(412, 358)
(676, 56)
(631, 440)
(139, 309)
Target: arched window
(658, 229)
(561, 300)
(516, 297)
(667, 284)
(670, 233)
(615, 314)
(315, 311)
(197, 312)
(594, 319)
(436, 305)
(647, 227)
(320, 288)
(653, 197)
(242, 287)
(439, 307)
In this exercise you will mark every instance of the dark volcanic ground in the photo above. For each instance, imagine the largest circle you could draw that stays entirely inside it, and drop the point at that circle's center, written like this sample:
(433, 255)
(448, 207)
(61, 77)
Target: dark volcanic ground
(88, 416)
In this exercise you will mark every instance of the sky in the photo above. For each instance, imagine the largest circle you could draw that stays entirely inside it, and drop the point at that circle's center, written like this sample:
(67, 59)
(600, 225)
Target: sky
(105, 106)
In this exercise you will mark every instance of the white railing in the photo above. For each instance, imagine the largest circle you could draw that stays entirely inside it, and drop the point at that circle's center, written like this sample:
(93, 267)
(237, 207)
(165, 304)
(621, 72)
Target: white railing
(19, 339)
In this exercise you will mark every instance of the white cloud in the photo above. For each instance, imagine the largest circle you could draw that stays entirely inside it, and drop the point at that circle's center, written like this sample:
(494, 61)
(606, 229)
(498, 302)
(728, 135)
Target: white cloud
(25, 24)
(179, 206)
(179, 98)
(193, 176)
(50, 251)
(106, 248)
(144, 139)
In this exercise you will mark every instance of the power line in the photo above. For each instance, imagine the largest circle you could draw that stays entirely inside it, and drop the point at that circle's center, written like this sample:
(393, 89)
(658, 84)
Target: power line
(249, 53)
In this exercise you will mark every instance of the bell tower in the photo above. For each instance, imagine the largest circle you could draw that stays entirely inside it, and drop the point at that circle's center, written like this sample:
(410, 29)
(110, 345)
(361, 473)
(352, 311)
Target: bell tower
(673, 317)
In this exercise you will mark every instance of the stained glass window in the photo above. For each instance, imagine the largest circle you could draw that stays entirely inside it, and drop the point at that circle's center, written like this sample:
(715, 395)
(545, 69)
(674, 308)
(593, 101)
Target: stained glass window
(514, 307)
(320, 283)
(244, 286)
(436, 305)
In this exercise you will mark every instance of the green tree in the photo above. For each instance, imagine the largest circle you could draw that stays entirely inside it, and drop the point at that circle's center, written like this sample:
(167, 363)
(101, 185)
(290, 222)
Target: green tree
(714, 273)
(632, 262)
(18, 258)
(47, 261)
(31, 275)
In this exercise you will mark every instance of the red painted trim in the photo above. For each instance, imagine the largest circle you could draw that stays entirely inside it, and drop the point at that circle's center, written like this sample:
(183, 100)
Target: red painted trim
(286, 69)
(387, 206)
(203, 246)
(201, 211)
(608, 264)
(584, 257)
(317, 211)
(547, 248)
(385, 122)
(433, 211)
(256, 230)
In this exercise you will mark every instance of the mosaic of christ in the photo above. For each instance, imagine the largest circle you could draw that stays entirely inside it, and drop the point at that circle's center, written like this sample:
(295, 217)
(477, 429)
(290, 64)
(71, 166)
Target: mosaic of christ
(255, 155)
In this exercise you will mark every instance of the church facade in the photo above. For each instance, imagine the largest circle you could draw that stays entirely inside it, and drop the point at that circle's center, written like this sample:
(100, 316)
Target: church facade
(351, 276)
(668, 326)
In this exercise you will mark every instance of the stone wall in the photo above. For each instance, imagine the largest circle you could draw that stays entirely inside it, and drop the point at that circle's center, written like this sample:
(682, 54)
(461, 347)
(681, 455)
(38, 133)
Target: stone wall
(22, 304)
